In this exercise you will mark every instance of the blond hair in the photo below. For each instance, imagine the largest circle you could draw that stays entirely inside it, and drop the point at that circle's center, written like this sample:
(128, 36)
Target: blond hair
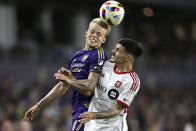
(102, 24)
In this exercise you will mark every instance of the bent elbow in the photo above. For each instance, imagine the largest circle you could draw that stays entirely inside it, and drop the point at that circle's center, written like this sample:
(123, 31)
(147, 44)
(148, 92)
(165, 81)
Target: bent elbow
(88, 93)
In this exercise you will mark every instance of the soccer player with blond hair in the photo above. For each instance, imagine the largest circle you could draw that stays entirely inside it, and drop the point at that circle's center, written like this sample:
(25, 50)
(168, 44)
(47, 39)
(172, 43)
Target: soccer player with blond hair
(86, 66)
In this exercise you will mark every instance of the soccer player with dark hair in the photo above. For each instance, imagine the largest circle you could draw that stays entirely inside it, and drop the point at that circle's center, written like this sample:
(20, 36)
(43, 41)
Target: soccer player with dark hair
(85, 65)
(117, 86)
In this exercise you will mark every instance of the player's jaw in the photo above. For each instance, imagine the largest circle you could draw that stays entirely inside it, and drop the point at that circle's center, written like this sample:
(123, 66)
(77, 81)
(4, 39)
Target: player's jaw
(116, 58)
(93, 42)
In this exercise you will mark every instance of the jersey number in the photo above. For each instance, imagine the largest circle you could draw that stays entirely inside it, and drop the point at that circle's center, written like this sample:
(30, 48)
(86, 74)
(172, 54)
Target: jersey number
(77, 125)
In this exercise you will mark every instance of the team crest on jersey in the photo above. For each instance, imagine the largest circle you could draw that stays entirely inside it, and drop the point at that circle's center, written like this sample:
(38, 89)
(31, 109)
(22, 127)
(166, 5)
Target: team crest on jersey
(118, 84)
(84, 58)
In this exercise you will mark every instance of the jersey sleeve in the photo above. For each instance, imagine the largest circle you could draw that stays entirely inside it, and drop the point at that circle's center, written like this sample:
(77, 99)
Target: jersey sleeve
(97, 60)
(127, 96)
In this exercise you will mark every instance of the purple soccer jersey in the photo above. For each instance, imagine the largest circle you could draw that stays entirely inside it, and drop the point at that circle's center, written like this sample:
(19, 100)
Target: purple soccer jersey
(81, 64)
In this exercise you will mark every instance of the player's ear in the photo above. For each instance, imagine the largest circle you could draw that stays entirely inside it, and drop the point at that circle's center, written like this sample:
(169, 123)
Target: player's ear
(130, 58)
(104, 40)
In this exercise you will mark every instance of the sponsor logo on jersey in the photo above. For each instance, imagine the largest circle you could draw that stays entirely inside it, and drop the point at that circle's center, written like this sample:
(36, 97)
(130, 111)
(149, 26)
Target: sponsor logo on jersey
(113, 94)
(101, 88)
(84, 57)
(76, 69)
(77, 65)
(97, 67)
(118, 84)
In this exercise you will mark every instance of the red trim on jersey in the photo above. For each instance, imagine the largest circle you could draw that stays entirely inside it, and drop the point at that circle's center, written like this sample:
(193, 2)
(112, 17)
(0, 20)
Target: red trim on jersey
(135, 81)
(136, 84)
(115, 67)
(122, 103)
(125, 110)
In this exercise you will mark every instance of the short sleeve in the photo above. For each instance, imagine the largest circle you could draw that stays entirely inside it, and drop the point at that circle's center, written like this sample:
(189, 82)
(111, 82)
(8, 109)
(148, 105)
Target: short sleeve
(97, 60)
(127, 96)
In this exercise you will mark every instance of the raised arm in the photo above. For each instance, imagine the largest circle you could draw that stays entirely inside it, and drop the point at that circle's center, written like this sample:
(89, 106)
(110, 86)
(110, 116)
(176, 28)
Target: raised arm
(57, 91)
(115, 110)
(85, 87)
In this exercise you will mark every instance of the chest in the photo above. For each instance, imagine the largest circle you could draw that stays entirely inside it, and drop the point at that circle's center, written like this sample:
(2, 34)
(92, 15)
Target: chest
(79, 63)
(111, 85)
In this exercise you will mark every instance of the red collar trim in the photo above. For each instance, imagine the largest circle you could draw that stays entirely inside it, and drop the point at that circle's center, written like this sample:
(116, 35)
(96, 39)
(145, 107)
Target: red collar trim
(115, 67)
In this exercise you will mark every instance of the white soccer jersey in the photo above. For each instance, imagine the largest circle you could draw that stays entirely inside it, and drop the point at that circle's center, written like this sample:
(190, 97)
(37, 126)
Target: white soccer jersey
(112, 87)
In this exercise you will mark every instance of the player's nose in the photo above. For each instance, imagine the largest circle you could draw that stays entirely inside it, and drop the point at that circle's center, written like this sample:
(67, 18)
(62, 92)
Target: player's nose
(113, 51)
(94, 35)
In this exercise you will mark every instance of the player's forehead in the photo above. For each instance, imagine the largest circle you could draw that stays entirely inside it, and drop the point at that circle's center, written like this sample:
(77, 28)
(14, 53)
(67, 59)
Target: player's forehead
(120, 47)
(97, 28)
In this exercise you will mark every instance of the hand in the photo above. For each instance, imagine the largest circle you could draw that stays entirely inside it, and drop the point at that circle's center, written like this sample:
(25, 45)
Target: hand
(31, 112)
(87, 116)
(66, 72)
(64, 75)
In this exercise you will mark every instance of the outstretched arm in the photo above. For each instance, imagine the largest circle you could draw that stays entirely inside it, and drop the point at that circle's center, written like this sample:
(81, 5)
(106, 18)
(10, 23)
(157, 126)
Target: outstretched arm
(57, 91)
(116, 109)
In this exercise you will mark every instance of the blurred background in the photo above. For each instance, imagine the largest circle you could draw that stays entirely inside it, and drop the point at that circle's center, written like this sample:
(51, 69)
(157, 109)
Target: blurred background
(37, 37)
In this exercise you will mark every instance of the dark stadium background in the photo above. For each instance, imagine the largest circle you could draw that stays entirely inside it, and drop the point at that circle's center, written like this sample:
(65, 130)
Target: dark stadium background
(37, 37)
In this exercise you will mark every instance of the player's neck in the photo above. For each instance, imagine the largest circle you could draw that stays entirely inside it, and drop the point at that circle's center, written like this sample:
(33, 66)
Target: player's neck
(124, 67)
(87, 47)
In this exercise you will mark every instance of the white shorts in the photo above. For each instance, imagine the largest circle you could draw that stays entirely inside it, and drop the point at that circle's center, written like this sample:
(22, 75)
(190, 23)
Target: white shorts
(104, 125)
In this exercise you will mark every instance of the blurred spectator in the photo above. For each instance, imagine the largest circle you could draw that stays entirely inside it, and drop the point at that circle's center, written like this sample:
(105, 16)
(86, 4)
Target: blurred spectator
(7, 125)
(24, 126)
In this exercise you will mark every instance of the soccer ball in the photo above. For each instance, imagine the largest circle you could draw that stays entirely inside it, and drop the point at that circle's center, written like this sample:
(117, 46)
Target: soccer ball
(112, 12)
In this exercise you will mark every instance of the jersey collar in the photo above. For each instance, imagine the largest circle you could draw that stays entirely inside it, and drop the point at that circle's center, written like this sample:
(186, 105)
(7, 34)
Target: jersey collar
(115, 67)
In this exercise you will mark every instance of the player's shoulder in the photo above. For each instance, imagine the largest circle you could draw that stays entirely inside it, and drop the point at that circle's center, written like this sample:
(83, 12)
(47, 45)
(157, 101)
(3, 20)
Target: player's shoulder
(135, 81)
(108, 64)
(76, 53)
(134, 75)
(99, 53)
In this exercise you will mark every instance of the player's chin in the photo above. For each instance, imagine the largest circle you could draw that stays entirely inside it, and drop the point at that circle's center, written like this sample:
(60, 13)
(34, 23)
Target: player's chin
(112, 60)
(91, 43)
